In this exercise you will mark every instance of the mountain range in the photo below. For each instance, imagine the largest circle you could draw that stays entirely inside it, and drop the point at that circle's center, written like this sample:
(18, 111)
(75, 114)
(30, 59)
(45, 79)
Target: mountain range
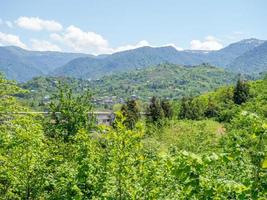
(247, 56)
(21, 65)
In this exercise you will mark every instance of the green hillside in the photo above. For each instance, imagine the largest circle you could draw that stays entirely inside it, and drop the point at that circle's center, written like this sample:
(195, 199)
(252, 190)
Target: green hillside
(165, 80)
(65, 154)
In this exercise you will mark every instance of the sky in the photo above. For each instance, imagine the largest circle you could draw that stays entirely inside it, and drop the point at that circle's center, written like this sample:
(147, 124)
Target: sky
(108, 26)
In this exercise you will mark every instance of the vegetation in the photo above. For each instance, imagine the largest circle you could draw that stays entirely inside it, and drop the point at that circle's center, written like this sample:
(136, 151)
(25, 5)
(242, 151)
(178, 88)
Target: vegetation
(241, 92)
(183, 159)
(131, 112)
(69, 113)
(166, 81)
(223, 104)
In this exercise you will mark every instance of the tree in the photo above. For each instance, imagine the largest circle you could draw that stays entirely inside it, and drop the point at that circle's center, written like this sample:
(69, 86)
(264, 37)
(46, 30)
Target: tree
(212, 109)
(69, 113)
(155, 112)
(241, 92)
(190, 109)
(22, 158)
(246, 144)
(22, 151)
(167, 109)
(131, 113)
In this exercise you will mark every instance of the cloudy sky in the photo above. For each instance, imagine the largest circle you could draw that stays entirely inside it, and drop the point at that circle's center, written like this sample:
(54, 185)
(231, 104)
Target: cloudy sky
(108, 26)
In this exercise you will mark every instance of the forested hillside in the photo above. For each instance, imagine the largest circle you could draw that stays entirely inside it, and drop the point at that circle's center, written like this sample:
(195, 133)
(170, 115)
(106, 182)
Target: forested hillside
(165, 80)
(212, 146)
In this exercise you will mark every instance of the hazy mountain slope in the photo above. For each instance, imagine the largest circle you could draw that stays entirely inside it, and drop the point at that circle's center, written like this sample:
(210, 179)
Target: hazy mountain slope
(15, 68)
(45, 61)
(228, 54)
(22, 64)
(148, 56)
(127, 60)
(253, 61)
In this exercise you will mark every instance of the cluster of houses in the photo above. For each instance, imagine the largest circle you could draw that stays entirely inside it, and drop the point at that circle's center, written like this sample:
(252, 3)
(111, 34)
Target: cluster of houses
(108, 100)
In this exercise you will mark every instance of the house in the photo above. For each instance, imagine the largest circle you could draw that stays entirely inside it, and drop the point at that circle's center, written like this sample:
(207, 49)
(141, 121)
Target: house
(104, 118)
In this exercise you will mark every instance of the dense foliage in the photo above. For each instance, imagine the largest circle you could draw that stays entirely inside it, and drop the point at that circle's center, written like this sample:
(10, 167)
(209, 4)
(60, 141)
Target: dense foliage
(241, 92)
(131, 112)
(165, 81)
(225, 102)
(69, 113)
(184, 159)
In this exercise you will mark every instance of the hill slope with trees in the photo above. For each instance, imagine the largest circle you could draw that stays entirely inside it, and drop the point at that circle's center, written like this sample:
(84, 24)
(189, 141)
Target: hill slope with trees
(165, 80)
(65, 155)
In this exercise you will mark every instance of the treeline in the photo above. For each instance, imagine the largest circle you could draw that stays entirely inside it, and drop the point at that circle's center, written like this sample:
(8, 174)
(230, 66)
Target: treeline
(66, 156)
(220, 106)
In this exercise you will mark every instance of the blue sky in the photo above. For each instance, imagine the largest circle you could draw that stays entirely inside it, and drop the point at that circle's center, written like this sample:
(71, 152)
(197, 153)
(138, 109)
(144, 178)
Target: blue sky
(107, 26)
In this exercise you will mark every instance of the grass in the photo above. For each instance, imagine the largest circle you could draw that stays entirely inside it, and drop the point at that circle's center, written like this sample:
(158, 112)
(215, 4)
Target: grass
(194, 136)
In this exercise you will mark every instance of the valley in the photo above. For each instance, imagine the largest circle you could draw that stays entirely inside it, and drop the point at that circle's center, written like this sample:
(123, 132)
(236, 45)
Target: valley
(133, 100)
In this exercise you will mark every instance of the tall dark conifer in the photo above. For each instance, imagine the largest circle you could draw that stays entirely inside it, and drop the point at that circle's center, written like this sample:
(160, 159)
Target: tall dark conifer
(241, 92)
(131, 112)
(155, 112)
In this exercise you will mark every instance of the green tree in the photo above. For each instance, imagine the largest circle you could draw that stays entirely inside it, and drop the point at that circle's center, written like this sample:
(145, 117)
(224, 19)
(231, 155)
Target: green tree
(212, 109)
(167, 109)
(22, 150)
(245, 145)
(69, 113)
(122, 160)
(22, 159)
(154, 111)
(190, 109)
(131, 112)
(241, 92)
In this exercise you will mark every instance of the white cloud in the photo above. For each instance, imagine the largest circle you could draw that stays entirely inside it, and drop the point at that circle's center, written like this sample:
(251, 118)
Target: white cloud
(43, 45)
(9, 24)
(142, 43)
(81, 41)
(9, 39)
(210, 43)
(37, 24)
(90, 42)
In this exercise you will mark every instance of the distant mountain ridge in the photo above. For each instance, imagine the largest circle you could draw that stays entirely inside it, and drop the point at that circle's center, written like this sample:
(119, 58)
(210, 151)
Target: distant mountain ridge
(22, 65)
(245, 56)
(149, 56)
(253, 61)
(227, 55)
